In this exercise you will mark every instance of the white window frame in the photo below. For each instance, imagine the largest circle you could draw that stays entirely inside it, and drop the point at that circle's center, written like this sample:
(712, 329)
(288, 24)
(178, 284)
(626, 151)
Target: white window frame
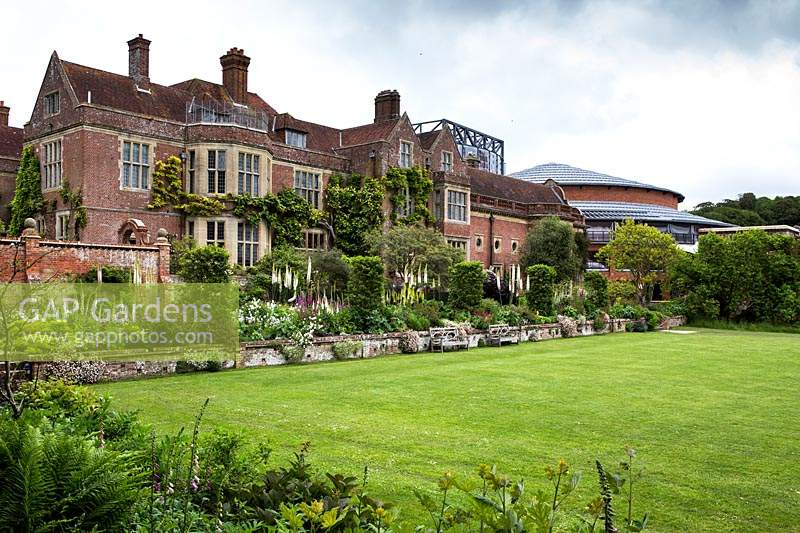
(247, 243)
(295, 138)
(136, 157)
(406, 159)
(311, 190)
(499, 248)
(249, 174)
(457, 207)
(52, 163)
(216, 172)
(447, 161)
(479, 245)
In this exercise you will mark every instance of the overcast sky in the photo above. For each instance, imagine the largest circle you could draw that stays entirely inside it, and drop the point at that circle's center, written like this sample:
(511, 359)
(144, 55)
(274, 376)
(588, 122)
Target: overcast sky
(703, 98)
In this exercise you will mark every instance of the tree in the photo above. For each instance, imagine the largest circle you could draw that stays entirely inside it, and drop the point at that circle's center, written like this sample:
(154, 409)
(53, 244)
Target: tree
(542, 289)
(466, 284)
(365, 285)
(553, 242)
(28, 200)
(643, 251)
(207, 264)
(751, 276)
(412, 248)
(596, 286)
(354, 205)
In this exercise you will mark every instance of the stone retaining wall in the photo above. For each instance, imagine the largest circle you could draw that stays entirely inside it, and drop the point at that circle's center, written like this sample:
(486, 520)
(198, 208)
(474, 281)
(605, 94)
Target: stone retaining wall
(269, 353)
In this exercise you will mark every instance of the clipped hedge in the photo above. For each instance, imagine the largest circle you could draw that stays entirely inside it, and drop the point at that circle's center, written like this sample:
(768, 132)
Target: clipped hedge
(208, 264)
(542, 289)
(466, 284)
(596, 286)
(365, 284)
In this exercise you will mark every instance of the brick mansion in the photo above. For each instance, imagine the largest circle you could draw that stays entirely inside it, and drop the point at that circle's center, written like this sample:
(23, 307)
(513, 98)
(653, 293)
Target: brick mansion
(104, 132)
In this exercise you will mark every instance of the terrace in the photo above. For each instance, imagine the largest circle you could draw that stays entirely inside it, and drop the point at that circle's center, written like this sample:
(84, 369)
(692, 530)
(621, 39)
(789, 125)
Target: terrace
(213, 112)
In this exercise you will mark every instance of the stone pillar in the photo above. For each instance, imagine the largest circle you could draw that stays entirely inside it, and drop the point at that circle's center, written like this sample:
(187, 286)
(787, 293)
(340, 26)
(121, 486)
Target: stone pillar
(29, 264)
(164, 252)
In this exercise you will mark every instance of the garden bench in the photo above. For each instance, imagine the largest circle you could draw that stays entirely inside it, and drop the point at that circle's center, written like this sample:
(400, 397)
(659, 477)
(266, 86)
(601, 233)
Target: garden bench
(500, 333)
(442, 338)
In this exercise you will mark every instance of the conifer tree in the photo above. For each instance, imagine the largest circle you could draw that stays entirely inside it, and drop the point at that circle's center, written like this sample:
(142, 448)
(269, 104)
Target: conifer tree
(28, 200)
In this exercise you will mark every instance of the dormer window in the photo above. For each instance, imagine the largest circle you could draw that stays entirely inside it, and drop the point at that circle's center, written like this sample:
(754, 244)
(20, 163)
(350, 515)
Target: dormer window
(52, 104)
(296, 138)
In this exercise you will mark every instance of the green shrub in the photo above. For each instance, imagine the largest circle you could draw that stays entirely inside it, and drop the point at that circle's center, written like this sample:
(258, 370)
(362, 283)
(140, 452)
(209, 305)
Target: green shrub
(293, 353)
(347, 349)
(622, 292)
(52, 480)
(542, 289)
(630, 312)
(365, 284)
(466, 284)
(596, 286)
(416, 321)
(508, 314)
(337, 322)
(431, 310)
(208, 264)
(110, 275)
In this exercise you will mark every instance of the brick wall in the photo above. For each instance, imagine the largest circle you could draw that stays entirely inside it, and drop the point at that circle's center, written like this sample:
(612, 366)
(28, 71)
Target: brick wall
(620, 194)
(34, 260)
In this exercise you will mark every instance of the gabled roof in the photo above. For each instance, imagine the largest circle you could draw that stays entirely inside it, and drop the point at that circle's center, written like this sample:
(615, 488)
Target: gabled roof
(569, 175)
(428, 138)
(618, 211)
(378, 131)
(495, 185)
(119, 92)
(10, 142)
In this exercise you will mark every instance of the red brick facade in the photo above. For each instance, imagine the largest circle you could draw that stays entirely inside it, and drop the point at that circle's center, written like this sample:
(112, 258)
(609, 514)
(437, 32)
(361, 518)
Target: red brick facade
(218, 124)
(621, 194)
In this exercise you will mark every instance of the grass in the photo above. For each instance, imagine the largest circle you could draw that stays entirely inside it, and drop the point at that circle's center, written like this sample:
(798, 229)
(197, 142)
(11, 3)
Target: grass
(714, 415)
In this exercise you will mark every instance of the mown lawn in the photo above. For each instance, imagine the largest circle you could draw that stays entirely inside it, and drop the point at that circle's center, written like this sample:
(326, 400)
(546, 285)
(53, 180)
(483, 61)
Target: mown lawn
(714, 415)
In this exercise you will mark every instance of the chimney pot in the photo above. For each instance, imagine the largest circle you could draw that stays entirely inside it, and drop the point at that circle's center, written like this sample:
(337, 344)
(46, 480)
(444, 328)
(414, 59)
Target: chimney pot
(4, 110)
(387, 105)
(139, 61)
(234, 74)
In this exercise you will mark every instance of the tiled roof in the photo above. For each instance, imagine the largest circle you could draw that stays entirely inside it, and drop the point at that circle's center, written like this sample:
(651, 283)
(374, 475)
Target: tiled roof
(10, 142)
(428, 138)
(640, 212)
(568, 175)
(319, 137)
(367, 133)
(119, 92)
(495, 185)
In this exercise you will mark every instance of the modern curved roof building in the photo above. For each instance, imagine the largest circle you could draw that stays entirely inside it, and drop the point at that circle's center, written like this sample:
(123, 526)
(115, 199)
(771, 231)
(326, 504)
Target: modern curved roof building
(607, 200)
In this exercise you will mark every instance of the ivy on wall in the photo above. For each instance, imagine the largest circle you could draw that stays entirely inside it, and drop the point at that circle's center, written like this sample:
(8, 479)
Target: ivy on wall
(354, 206)
(410, 185)
(28, 199)
(168, 192)
(286, 213)
(73, 199)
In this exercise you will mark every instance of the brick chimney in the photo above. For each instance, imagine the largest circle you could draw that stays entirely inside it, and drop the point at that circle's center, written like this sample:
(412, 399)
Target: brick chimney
(139, 61)
(4, 109)
(387, 105)
(234, 74)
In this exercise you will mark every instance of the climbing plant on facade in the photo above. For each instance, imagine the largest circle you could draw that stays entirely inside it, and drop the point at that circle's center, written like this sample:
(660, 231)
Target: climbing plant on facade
(286, 213)
(28, 200)
(354, 206)
(168, 192)
(410, 190)
(73, 200)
